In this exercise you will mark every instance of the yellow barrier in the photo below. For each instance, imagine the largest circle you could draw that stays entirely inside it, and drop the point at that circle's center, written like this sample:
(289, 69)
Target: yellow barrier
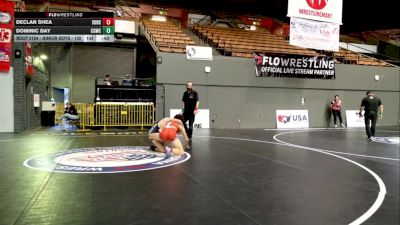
(112, 114)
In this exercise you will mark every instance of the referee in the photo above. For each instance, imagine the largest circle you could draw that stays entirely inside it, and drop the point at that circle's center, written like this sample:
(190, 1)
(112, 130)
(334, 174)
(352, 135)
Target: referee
(373, 107)
(190, 102)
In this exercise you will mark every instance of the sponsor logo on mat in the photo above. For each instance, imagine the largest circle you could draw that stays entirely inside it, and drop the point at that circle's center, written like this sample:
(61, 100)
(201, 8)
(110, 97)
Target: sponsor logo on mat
(118, 159)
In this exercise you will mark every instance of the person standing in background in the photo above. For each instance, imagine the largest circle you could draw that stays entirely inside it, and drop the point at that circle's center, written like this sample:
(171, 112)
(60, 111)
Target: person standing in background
(336, 107)
(190, 101)
(373, 107)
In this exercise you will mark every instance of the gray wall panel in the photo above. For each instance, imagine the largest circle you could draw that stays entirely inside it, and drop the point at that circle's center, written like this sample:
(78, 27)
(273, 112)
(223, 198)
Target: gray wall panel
(7, 101)
(89, 62)
(232, 92)
(233, 71)
(25, 115)
(60, 66)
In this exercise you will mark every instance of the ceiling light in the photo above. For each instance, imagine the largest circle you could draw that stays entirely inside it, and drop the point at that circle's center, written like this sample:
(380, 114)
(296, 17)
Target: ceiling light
(158, 18)
(120, 13)
(43, 57)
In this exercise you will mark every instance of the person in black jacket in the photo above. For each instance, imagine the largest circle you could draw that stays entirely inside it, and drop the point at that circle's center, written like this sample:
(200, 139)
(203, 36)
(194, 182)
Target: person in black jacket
(70, 113)
(190, 101)
(373, 107)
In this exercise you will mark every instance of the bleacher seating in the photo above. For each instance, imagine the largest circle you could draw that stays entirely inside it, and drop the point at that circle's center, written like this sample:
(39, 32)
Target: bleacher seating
(349, 57)
(242, 43)
(167, 36)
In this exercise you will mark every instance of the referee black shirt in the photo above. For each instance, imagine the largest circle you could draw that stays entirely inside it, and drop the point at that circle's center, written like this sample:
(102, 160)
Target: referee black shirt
(371, 104)
(190, 99)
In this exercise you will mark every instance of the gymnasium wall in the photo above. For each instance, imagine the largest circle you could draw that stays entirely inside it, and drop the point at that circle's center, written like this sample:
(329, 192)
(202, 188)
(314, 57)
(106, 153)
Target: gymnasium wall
(238, 99)
(89, 62)
(7, 101)
(78, 66)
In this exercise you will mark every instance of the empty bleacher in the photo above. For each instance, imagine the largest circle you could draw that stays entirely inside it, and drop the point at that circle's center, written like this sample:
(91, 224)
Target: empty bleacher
(349, 57)
(167, 36)
(242, 43)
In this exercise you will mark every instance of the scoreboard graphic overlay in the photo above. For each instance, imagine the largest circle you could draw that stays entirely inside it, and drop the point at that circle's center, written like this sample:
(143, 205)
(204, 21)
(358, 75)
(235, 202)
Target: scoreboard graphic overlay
(64, 27)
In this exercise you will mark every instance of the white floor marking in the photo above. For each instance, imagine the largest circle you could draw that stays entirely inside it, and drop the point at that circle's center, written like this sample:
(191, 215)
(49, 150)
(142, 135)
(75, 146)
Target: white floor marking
(332, 129)
(336, 152)
(269, 142)
(359, 155)
(382, 188)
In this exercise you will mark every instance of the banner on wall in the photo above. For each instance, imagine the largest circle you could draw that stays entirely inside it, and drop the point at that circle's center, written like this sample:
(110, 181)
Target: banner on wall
(6, 27)
(353, 119)
(292, 119)
(320, 10)
(36, 100)
(198, 53)
(297, 66)
(312, 34)
(28, 59)
(262, 22)
(202, 119)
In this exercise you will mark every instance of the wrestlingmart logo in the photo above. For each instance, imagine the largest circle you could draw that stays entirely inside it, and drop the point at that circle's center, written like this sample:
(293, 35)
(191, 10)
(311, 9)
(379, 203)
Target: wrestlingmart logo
(317, 4)
(117, 159)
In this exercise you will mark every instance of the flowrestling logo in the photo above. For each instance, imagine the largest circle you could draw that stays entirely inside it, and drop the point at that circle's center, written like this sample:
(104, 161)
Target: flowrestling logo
(118, 159)
(5, 35)
(317, 4)
(387, 140)
(288, 65)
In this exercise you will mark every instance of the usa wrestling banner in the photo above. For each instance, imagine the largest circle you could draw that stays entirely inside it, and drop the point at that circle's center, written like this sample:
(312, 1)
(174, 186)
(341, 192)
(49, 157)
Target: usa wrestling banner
(312, 34)
(296, 66)
(6, 27)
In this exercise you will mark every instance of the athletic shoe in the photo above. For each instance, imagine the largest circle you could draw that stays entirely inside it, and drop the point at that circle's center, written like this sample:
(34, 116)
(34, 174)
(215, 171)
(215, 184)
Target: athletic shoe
(342, 125)
(335, 126)
(368, 138)
(168, 151)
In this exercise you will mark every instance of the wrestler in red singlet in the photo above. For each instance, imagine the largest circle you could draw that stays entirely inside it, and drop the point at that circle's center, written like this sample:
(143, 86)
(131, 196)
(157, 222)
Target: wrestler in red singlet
(168, 132)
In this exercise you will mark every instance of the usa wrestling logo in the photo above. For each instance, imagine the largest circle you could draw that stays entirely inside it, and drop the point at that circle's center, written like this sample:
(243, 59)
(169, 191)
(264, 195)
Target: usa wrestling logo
(118, 159)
